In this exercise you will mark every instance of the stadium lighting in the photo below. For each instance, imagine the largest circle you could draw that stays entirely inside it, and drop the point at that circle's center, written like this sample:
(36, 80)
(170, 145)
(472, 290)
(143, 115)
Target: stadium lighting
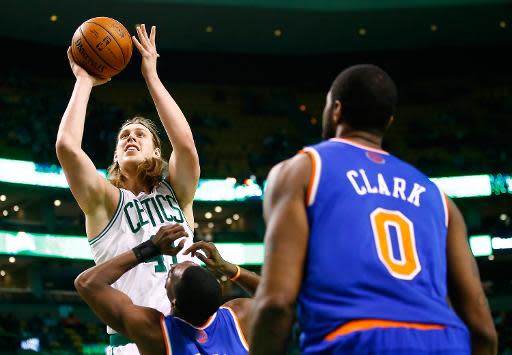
(208, 215)
(229, 221)
(218, 209)
(3, 198)
(5, 213)
(2, 273)
(236, 217)
(16, 208)
(57, 203)
(211, 225)
(12, 259)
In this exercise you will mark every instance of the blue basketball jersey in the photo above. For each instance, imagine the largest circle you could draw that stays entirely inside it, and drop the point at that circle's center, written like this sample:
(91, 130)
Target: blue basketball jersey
(377, 243)
(221, 335)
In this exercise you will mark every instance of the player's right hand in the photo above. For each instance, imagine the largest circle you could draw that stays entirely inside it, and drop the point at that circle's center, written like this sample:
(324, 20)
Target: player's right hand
(212, 258)
(167, 235)
(81, 73)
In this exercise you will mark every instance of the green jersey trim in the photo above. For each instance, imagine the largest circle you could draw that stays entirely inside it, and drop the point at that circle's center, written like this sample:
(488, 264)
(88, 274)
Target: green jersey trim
(166, 183)
(109, 225)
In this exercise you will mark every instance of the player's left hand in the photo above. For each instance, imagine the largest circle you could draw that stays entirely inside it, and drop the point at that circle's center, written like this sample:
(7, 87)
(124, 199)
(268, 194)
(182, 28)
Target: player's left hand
(212, 258)
(147, 48)
(167, 235)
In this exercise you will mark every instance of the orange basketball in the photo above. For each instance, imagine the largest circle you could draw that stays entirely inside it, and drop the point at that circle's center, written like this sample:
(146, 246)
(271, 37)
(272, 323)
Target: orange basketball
(102, 46)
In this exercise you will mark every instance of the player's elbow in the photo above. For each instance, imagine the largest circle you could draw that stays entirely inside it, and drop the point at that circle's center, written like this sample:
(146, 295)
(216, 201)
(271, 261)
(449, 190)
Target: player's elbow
(64, 147)
(274, 306)
(83, 283)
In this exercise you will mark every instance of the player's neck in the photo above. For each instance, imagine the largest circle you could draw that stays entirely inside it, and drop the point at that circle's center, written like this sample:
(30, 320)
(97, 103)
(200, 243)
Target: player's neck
(365, 138)
(134, 185)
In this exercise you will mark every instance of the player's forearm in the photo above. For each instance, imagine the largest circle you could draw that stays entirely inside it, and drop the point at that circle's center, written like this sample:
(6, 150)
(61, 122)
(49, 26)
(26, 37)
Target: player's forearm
(272, 326)
(248, 280)
(71, 127)
(93, 280)
(173, 119)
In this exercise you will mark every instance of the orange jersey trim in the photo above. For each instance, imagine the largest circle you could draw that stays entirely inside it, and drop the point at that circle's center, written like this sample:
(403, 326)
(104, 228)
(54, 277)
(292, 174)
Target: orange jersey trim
(241, 334)
(315, 174)
(167, 341)
(359, 145)
(366, 324)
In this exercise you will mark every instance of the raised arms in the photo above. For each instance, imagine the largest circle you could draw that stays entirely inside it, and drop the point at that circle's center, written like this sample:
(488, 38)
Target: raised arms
(95, 196)
(184, 168)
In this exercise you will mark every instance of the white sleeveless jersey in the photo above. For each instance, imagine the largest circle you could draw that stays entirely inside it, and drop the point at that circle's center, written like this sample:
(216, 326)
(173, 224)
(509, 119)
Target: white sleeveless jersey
(137, 219)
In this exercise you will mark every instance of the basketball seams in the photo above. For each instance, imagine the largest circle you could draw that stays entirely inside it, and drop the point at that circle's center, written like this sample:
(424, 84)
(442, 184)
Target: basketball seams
(114, 38)
(92, 48)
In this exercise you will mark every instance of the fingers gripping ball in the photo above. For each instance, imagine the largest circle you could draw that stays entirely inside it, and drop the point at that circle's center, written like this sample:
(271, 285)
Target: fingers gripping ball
(102, 46)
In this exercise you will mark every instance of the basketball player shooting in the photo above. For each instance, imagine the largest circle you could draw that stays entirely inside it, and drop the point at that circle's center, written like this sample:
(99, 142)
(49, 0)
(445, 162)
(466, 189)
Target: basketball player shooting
(129, 208)
(366, 244)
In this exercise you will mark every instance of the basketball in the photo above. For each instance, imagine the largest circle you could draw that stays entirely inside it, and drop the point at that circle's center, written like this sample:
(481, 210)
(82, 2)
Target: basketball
(102, 46)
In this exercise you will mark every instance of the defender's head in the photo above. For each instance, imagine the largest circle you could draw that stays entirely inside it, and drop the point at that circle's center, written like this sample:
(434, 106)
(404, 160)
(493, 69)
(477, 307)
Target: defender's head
(138, 150)
(363, 98)
(194, 292)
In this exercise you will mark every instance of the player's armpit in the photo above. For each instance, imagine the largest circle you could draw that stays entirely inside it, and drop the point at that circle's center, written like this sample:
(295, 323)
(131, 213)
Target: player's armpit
(286, 241)
(465, 289)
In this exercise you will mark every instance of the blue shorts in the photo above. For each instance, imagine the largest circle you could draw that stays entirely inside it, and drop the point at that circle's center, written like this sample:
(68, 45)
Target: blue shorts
(397, 341)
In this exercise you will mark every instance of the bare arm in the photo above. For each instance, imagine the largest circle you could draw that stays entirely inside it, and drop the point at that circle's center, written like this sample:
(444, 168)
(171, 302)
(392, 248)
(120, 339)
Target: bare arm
(214, 262)
(184, 168)
(465, 289)
(113, 307)
(286, 241)
(87, 186)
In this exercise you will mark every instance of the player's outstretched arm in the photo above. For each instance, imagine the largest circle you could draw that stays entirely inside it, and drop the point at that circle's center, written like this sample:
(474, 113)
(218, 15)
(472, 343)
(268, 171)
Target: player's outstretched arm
(184, 168)
(211, 257)
(87, 186)
(113, 307)
(465, 289)
(286, 241)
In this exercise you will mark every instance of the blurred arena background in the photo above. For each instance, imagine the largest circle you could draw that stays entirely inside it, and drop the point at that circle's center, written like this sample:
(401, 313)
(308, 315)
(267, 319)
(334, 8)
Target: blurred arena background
(251, 78)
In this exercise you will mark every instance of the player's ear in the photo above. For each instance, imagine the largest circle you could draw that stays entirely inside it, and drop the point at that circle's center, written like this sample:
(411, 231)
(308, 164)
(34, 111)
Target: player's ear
(390, 121)
(157, 152)
(337, 111)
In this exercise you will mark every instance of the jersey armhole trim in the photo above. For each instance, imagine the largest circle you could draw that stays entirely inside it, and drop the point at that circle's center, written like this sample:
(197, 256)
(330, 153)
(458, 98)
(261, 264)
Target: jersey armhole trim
(165, 332)
(241, 335)
(112, 220)
(166, 183)
(444, 199)
(316, 169)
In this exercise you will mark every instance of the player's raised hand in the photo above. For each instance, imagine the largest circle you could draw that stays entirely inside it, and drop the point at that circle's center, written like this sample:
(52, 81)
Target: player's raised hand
(166, 237)
(212, 258)
(80, 72)
(147, 48)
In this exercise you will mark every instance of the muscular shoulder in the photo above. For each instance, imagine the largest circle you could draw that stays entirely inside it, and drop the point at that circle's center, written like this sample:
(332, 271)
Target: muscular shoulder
(293, 172)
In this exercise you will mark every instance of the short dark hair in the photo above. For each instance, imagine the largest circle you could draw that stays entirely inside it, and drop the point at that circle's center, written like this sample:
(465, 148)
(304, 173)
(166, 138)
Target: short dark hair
(198, 294)
(368, 97)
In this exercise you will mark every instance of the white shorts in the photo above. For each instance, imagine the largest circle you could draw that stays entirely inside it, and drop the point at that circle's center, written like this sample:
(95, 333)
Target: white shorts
(128, 349)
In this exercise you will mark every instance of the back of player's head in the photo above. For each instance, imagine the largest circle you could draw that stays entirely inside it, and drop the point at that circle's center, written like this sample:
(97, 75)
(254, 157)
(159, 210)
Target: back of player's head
(198, 294)
(367, 95)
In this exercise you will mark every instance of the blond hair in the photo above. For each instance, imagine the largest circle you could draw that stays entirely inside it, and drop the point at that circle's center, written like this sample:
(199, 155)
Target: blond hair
(151, 170)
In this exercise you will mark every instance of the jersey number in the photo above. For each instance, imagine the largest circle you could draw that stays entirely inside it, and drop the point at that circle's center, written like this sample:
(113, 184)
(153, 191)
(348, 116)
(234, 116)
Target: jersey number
(159, 260)
(407, 266)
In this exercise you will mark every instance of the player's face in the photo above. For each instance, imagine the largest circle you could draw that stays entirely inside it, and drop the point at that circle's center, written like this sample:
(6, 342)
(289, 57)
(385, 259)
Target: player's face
(174, 276)
(134, 145)
(328, 123)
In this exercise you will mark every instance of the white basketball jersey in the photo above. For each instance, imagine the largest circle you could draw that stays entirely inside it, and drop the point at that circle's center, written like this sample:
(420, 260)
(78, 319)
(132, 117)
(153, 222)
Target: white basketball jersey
(137, 219)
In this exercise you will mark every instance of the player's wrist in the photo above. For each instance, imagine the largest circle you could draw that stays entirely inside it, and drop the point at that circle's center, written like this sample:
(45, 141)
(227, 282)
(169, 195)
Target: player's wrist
(146, 251)
(230, 270)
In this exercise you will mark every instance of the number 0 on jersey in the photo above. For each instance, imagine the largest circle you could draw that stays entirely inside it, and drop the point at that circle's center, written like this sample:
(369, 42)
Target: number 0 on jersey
(407, 266)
